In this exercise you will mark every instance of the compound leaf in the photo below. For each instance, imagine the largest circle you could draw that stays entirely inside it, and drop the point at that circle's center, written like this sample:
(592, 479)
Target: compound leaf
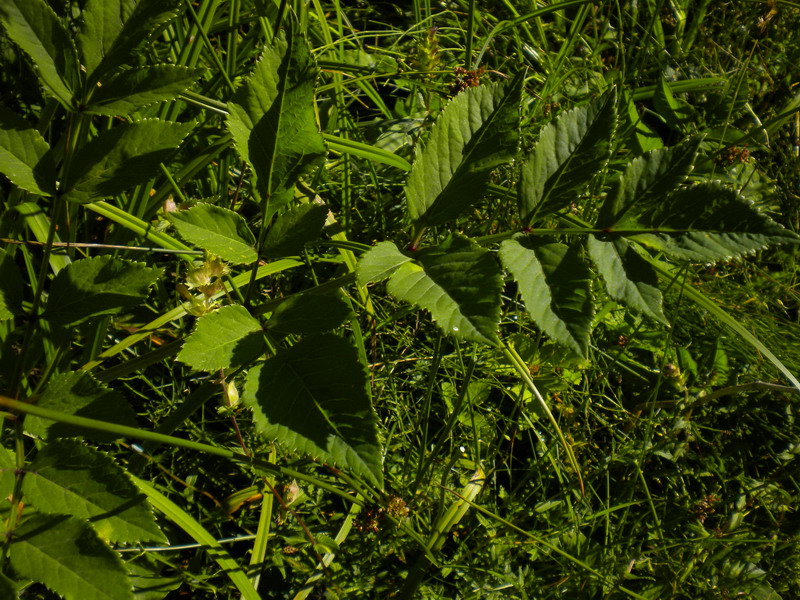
(721, 225)
(101, 285)
(629, 278)
(570, 151)
(25, 156)
(218, 230)
(67, 555)
(555, 285)
(476, 133)
(272, 121)
(67, 477)
(78, 393)
(459, 283)
(133, 89)
(312, 398)
(646, 182)
(121, 158)
(36, 28)
(224, 338)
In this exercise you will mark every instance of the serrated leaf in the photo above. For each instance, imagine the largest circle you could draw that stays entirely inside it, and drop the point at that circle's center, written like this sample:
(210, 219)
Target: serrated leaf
(476, 133)
(629, 278)
(272, 121)
(380, 262)
(133, 89)
(291, 230)
(101, 285)
(569, 153)
(10, 287)
(69, 478)
(675, 112)
(122, 157)
(25, 156)
(723, 225)
(218, 230)
(640, 137)
(67, 556)
(646, 182)
(112, 30)
(36, 28)
(459, 283)
(312, 398)
(555, 285)
(224, 338)
(78, 393)
(309, 313)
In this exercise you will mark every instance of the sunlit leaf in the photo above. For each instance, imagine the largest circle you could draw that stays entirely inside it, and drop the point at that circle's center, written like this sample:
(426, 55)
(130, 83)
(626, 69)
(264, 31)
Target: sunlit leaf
(25, 156)
(218, 230)
(568, 154)
(476, 133)
(312, 398)
(66, 555)
(555, 285)
(629, 278)
(224, 338)
(458, 282)
(67, 477)
(271, 118)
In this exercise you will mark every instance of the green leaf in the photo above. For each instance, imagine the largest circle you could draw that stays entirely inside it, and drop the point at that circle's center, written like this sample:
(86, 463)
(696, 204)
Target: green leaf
(8, 468)
(640, 137)
(380, 262)
(555, 285)
(629, 278)
(309, 313)
(10, 287)
(458, 282)
(224, 338)
(312, 398)
(69, 478)
(476, 133)
(675, 112)
(78, 393)
(35, 28)
(290, 232)
(67, 556)
(121, 158)
(134, 89)
(724, 225)
(570, 151)
(25, 157)
(102, 285)
(217, 230)
(272, 121)
(112, 30)
(8, 587)
(646, 182)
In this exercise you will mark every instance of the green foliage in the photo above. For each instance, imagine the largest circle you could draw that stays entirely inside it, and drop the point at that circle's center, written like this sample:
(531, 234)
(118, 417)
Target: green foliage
(217, 230)
(101, 285)
(493, 292)
(312, 398)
